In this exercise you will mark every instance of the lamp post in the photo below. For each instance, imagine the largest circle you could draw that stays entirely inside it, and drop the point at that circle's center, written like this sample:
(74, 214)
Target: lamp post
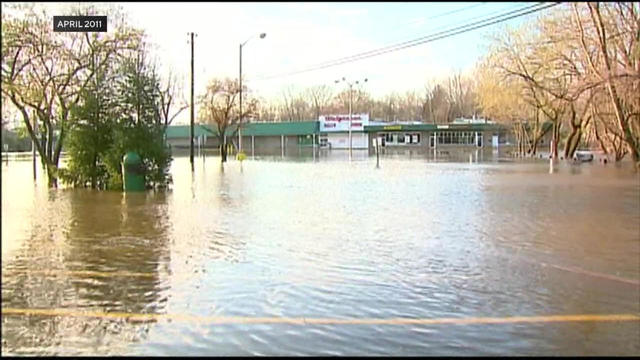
(350, 106)
(262, 36)
(192, 107)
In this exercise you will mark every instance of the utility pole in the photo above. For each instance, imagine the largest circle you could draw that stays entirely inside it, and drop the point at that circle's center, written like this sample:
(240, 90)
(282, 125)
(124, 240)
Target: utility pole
(33, 144)
(377, 151)
(192, 110)
(240, 114)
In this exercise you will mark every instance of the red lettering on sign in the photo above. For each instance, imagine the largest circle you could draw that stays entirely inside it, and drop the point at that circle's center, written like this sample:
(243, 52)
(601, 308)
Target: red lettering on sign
(342, 118)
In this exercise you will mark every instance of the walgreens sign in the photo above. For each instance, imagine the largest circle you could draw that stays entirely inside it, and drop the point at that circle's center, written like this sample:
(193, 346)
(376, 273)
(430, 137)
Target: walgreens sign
(330, 123)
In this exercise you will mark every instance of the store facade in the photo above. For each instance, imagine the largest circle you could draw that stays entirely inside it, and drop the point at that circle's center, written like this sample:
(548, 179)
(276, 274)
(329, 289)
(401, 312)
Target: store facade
(433, 135)
(334, 131)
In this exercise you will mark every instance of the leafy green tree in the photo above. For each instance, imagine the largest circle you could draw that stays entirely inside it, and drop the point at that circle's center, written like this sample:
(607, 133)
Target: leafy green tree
(119, 113)
(91, 133)
(140, 124)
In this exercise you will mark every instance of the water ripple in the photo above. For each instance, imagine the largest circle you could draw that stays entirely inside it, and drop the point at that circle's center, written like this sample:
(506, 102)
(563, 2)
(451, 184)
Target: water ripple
(330, 239)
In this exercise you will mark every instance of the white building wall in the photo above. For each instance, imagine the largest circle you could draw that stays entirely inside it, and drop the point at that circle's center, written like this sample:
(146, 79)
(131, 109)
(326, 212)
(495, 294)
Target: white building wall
(341, 140)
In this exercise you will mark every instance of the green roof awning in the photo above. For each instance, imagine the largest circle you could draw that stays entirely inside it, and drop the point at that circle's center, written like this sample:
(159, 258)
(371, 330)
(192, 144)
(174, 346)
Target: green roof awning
(313, 127)
(183, 131)
(249, 129)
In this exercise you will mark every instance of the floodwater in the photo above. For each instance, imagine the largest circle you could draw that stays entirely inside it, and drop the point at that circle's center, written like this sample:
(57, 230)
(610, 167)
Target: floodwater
(322, 256)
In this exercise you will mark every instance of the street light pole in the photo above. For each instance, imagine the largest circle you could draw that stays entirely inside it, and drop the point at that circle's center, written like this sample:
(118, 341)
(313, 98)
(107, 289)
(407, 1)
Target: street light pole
(350, 109)
(262, 36)
(192, 110)
(350, 116)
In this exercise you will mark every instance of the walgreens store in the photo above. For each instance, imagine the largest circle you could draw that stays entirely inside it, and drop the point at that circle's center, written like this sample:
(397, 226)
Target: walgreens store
(334, 131)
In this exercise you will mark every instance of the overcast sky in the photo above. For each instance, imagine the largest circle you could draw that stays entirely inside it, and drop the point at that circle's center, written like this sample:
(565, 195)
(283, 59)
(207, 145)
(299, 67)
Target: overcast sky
(300, 35)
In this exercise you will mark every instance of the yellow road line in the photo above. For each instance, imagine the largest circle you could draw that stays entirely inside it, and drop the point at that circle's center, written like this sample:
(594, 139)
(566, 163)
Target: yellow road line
(318, 321)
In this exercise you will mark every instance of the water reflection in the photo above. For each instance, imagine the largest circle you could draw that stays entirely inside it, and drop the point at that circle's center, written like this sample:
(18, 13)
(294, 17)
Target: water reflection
(99, 237)
(426, 237)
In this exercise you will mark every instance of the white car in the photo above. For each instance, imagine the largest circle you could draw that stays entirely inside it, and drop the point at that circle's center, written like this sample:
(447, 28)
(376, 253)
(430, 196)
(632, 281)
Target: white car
(583, 155)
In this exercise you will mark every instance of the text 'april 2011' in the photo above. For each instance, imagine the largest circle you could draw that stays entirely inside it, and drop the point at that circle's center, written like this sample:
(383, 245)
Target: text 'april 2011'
(80, 23)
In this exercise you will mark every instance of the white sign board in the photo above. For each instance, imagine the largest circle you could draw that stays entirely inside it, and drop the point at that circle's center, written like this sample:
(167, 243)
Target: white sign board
(333, 123)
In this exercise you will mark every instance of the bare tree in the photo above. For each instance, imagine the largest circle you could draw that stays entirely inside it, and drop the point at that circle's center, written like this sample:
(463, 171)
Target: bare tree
(609, 38)
(44, 73)
(168, 99)
(217, 107)
(295, 108)
(269, 111)
(319, 97)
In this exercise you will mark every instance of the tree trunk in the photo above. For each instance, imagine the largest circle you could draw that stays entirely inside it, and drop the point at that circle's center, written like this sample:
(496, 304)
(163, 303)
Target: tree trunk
(555, 137)
(522, 141)
(620, 149)
(569, 143)
(536, 137)
(603, 147)
(576, 142)
(528, 141)
(634, 147)
(518, 133)
(58, 150)
(94, 166)
(223, 150)
(43, 145)
(49, 141)
(52, 178)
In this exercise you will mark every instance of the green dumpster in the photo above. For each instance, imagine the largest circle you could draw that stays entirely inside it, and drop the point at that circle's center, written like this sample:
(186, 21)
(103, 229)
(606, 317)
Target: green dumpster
(132, 172)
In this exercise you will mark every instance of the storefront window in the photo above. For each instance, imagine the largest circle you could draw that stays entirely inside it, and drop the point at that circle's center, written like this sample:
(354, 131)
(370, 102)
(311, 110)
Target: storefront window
(389, 138)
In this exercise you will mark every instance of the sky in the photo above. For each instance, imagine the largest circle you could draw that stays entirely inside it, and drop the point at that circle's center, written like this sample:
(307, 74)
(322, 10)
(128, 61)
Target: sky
(300, 35)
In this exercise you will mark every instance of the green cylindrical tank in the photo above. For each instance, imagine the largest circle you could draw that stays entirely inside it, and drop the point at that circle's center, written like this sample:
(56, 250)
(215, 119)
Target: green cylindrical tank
(132, 172)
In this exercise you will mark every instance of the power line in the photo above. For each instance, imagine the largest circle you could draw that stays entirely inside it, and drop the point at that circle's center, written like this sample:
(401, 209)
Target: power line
(406, 24)
(456, 11)
(425, 37)
(394, 47)
(473, 18)
(440, 15)
(492, 13)
(413, 40)
(419, 41)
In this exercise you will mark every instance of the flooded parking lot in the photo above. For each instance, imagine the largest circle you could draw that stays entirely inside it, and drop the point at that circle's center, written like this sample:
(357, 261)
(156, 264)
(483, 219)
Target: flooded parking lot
(313, 256)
